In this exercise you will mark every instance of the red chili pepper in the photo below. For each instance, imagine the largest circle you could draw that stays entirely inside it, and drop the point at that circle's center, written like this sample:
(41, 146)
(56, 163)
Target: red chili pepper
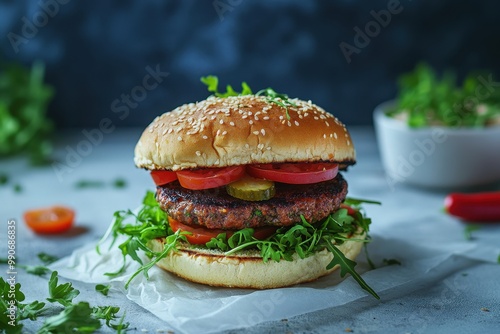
(350, 210)
(477, 207)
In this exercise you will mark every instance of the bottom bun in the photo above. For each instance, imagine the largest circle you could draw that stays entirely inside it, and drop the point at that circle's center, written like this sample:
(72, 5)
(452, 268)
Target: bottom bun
(246, 269)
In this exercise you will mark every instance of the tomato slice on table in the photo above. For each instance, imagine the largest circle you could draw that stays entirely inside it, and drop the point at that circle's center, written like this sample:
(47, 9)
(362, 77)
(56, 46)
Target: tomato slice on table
(201, 235)
(207, 178)
(53, 220)
(161, 177)
(295, 173)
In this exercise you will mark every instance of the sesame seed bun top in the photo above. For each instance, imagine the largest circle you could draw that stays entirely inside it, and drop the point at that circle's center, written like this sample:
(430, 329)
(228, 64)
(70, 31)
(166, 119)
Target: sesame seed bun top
(237, 130)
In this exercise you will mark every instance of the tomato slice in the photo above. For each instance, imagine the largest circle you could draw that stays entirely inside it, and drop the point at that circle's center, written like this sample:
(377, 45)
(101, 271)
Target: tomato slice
(350, 210)
(299, 173)
(207, 178)
(161, 177)
(201, 235)
(53, 220)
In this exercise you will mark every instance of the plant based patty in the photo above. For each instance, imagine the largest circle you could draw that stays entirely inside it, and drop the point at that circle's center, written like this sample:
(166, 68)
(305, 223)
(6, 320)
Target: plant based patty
(215, 209)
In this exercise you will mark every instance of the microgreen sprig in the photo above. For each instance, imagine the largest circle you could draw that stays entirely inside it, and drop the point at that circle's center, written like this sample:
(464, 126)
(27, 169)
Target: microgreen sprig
(272, 96)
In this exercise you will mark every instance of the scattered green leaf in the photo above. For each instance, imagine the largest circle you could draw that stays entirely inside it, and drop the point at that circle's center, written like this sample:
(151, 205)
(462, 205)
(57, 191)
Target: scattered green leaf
(36, 270)
(47, 258)
(104, 289)
(119, 183)
(4, 179)
(498, 258)
(63, 293)
(469, 228)
(83, 184)
(17, 188)
(75, 318)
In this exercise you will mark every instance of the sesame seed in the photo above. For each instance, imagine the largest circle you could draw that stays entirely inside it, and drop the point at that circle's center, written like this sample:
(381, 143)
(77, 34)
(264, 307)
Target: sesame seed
(335, 135)
(170, 130)
(213, 117)
(179, 138)
(289, 124)
(256, 133)
(327, 124)
(316, 118)
(231, 123)
(164, 132)
(331, 135)
(281, 117)
(260, 146)
(224, 133)
(263, 132)
(296, 123)
(348, 143)
(268, 148)
(205, 137)
(198, 153)
(244, 116)
(247, 146)
(256, 117)
(266, 118)
(324, 135)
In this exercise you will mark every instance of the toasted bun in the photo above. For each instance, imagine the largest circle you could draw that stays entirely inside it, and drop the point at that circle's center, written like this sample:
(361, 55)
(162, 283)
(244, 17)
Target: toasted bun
(247, 269)
(237, 130)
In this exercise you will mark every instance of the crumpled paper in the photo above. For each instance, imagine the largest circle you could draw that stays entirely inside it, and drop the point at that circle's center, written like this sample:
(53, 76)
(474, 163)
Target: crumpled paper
(426, 251)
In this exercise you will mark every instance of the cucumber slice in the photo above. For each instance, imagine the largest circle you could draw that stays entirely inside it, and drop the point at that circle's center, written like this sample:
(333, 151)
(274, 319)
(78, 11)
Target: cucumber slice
(251, 189)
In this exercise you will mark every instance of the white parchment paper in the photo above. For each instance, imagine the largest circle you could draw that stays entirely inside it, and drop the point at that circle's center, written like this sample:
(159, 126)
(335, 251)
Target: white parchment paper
(425, 253)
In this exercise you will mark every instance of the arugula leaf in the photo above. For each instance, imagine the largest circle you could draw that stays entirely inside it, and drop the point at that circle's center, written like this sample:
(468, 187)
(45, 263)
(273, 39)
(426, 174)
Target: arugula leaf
(108, 314)
(24, 126)
(212, 83)
(75, 318)
(104, 289)
(63, 293)
(303, 239)
(347, 266)
(47, 258)
(30, 311)
(281, 100)
(36, 270)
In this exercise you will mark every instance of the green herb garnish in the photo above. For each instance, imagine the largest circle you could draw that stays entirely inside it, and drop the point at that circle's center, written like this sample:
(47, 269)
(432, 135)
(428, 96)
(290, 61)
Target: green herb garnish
(303, 238)
(104, 289)
(4, 179)
(24, 126)
(78, 317)
(425, 100)
(279, 99)
(498, 258)
(212, 83)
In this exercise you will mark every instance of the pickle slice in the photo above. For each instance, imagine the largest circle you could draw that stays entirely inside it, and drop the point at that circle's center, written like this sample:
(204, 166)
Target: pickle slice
(251, 189)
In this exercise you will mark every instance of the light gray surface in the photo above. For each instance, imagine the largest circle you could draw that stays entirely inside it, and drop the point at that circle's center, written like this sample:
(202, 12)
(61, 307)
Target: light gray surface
(450, 300)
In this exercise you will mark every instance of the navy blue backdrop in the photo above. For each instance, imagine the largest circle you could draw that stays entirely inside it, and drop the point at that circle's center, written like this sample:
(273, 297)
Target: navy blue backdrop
(111, 58)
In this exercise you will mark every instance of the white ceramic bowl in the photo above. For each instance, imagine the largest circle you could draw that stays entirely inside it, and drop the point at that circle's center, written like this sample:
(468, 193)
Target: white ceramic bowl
(437, 157)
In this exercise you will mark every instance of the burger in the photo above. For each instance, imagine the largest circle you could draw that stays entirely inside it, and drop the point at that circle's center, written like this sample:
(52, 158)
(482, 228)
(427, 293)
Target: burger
(249, 193)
